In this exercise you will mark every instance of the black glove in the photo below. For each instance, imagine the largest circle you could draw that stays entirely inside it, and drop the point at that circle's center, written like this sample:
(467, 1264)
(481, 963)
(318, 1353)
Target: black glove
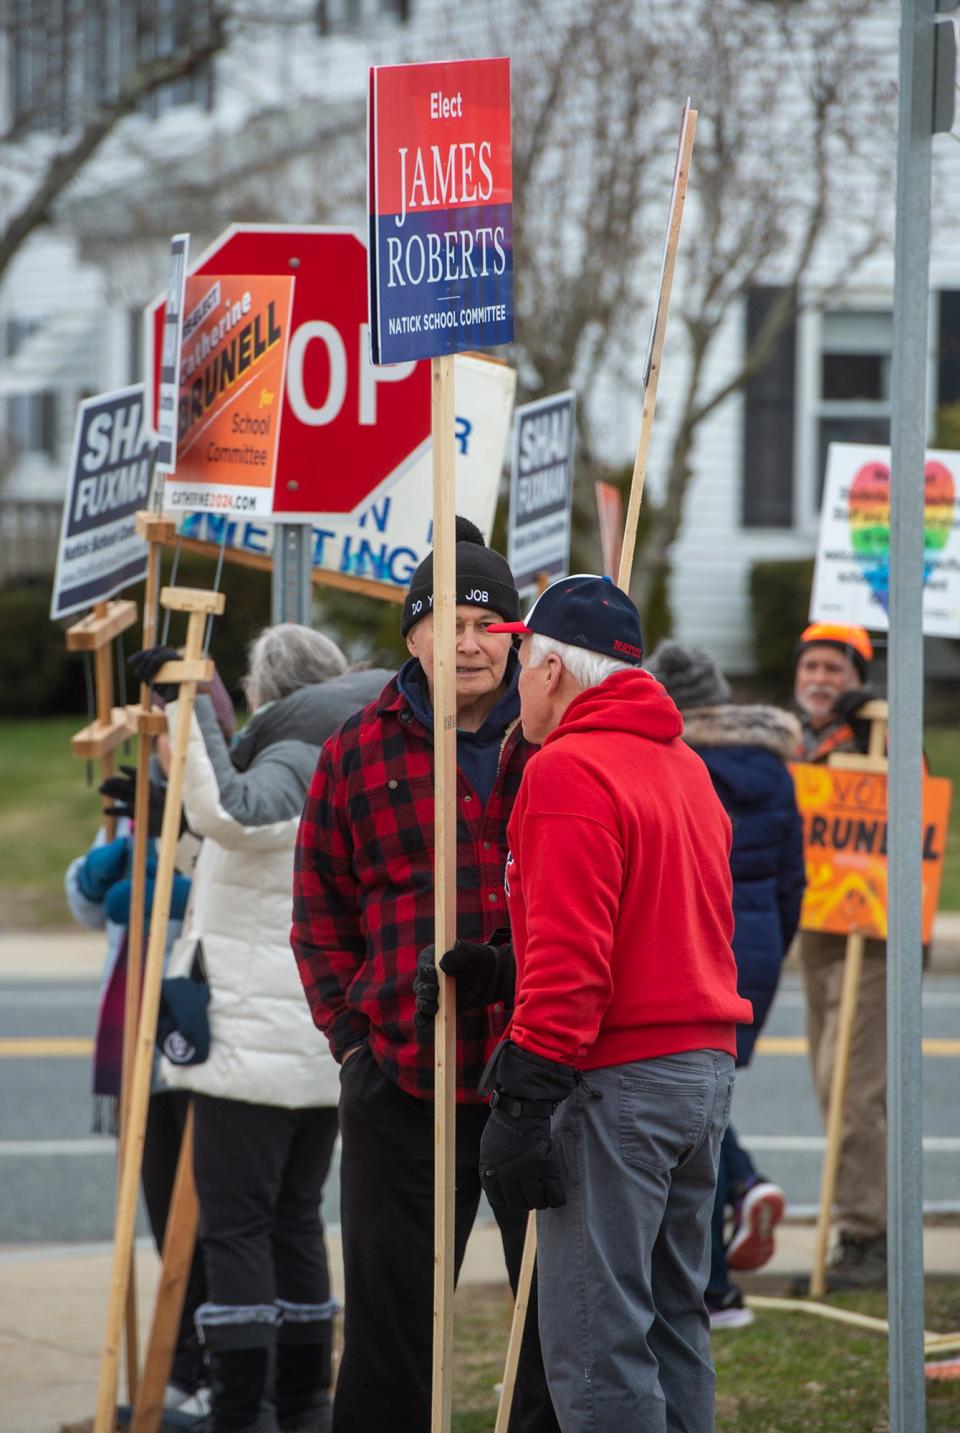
(122, 790)
(484, 975)
(847, 706)
(519, 1167)
(848, 703)
(147, 663)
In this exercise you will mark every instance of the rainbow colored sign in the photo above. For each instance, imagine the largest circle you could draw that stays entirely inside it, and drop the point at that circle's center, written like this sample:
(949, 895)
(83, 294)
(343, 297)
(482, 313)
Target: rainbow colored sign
(440, 190)
(852, 578)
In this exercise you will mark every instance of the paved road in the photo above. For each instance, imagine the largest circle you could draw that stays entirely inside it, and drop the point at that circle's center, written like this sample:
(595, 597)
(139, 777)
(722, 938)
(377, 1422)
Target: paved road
(57, 1180)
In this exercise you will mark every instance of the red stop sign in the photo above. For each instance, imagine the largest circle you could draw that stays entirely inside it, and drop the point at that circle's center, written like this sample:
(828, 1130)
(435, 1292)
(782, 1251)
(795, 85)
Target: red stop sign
(346, 426)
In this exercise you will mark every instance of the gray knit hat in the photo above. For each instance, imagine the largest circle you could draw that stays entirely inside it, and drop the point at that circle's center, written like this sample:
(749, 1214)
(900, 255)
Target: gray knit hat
(690, 675)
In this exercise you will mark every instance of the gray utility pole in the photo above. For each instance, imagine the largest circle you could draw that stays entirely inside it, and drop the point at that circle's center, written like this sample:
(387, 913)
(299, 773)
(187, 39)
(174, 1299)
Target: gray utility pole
(291, 592)
(927, 80)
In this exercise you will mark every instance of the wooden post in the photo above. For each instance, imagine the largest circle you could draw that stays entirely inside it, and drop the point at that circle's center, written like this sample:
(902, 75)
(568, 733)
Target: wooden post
(96, 633)
(524, 1282)
(140, 722)
(874, 760)
(154, 530)
(178, 1248)
(188, 672)
(687, 133)
(445, 881)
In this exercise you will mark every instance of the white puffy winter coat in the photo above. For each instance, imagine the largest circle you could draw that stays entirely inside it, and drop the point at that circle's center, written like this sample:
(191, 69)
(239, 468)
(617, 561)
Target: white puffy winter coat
(264, 1046)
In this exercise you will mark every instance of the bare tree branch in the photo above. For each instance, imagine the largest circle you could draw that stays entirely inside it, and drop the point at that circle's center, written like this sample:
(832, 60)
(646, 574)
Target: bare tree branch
(66, 164)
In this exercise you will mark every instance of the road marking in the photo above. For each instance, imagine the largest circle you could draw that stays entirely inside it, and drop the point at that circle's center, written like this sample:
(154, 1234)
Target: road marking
(58, 1047)
(797, 1045)
(70, 1047)
(31, 1148)
(933, 999)
(816, 1143)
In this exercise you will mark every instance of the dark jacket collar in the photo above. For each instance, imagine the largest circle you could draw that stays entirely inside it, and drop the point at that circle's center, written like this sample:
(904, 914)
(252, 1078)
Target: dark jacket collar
(412, 687)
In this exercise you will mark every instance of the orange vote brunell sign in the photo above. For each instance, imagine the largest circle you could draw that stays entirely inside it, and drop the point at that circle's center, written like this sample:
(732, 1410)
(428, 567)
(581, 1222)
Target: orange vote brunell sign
(845, 847)
(232, 375)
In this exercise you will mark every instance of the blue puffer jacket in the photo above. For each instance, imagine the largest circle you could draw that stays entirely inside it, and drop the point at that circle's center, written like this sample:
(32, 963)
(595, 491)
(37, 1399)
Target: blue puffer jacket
(745, 749)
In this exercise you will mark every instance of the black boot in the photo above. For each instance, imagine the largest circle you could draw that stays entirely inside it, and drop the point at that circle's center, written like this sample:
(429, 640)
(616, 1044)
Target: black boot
(238, 1381)
(302, 1387)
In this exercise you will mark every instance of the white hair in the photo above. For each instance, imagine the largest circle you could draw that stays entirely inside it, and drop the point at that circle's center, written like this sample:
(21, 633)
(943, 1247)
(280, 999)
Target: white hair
(286, 657)
(587, 668)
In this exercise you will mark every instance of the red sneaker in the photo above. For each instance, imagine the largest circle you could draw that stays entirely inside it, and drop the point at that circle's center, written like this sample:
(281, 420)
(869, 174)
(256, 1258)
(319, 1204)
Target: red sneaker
(757, 1216)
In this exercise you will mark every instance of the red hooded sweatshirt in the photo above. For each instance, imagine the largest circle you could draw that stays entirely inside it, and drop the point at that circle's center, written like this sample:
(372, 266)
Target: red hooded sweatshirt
(618, 884)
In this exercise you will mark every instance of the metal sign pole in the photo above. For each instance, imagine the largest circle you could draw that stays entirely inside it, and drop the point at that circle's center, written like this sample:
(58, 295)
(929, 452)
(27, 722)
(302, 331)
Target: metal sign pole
(291, 592)
(908, 443)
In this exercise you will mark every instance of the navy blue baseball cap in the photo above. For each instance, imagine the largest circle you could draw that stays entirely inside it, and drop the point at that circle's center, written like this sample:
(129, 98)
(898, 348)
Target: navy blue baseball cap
(584, 611)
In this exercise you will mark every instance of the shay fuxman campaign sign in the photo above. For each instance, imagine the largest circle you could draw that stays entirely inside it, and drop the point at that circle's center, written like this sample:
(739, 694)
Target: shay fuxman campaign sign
(541, 492)
(440, 196)
(852, 577)
(232, 374)
(100, 552)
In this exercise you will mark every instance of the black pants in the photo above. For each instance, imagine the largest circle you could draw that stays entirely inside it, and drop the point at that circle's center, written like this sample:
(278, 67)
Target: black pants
(386, 1182)
(166, 1116)
(260, 1171)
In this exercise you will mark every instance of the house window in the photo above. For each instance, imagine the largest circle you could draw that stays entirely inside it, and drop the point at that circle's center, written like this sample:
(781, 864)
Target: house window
(853, 403)
(339, 17)
(31, 425)
(67, 58)
(768, 431)
(948, 347)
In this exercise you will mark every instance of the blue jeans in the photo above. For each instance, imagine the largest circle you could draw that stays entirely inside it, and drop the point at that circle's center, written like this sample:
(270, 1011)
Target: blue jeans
(623, 1265)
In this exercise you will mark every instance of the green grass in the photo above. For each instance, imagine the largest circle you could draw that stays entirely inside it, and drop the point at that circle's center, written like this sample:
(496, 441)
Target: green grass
(48, 815)
(786, 1373)
(942, 745)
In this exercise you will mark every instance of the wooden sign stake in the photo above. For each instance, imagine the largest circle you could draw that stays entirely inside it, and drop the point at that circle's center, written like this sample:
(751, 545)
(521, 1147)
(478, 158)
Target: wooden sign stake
(188, 672)
(445, 880)
(178, 1249)
(524, 1283)
(874, 760)
(687, 135)
(96, 633)
(145, 724)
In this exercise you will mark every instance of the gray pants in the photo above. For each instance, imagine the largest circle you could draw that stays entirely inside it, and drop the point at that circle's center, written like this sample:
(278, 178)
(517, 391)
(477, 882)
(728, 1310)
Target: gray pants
(623, 1265)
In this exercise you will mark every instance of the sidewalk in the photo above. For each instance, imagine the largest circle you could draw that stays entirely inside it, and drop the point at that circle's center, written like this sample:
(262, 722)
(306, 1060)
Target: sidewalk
(73, 953)
(54, 1303)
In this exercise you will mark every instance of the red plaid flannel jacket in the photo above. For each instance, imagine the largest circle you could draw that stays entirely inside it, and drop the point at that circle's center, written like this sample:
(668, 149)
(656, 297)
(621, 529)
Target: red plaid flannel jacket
(363, 889)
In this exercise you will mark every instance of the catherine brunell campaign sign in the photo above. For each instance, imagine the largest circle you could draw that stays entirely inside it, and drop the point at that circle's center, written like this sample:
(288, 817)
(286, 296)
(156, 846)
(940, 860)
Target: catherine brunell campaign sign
(440, 189)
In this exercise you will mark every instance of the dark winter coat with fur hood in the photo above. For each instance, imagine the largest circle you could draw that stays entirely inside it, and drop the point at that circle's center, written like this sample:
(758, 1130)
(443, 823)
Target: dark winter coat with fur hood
(745, 749)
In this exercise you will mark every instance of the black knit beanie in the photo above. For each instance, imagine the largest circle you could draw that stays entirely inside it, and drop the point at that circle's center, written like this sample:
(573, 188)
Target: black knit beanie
(483, 580)
(690, 675)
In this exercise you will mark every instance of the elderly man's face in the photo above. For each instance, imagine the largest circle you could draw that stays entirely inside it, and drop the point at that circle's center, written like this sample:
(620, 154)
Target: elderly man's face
(537, 686)
(481, 655)
(822, 674)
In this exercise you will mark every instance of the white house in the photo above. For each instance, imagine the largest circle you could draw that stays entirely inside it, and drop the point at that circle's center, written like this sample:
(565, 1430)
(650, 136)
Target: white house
(234, 142)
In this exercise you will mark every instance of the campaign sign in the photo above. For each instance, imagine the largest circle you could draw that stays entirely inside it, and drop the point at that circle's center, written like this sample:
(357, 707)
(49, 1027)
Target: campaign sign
(386, 539)
(232, 372)
(610, 514)
(851, 581)
(170, 357)
(109, 481)
(440, 187)
(541, 491)
(845, 848)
